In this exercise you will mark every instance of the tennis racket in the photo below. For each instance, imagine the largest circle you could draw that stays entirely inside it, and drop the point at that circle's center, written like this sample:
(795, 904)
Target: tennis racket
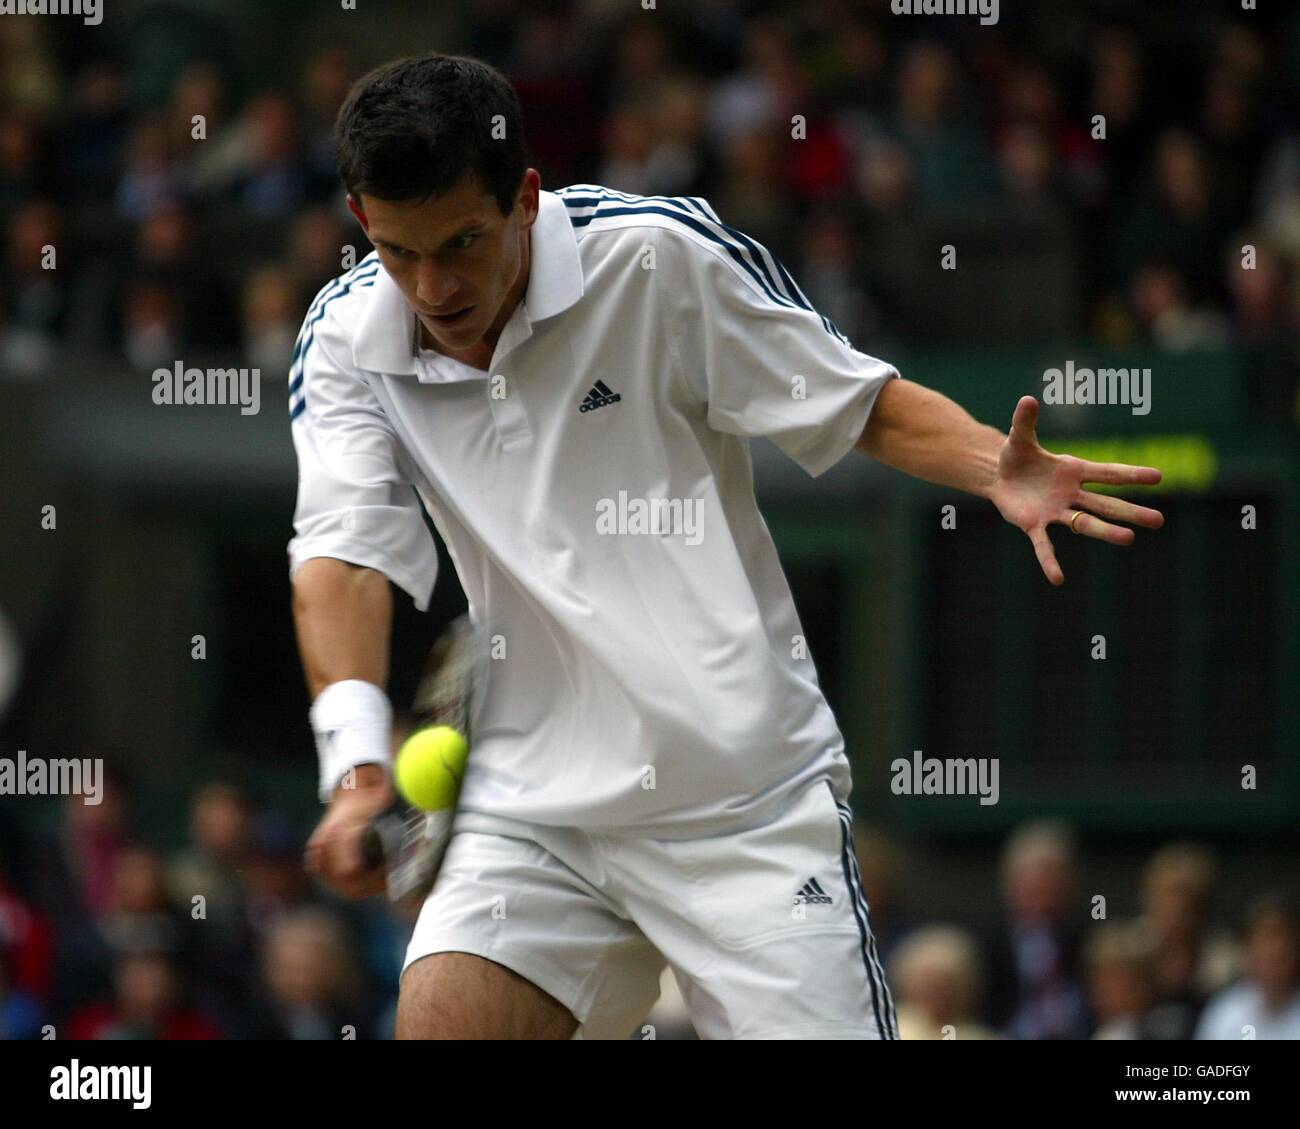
(407, 842)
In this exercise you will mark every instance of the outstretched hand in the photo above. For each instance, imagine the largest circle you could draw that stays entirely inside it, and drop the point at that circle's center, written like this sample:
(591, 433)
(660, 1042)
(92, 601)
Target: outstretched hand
(1035, 488)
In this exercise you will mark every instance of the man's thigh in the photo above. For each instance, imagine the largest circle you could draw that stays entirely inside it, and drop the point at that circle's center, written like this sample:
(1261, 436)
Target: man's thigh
(555, 957)
(462, 996)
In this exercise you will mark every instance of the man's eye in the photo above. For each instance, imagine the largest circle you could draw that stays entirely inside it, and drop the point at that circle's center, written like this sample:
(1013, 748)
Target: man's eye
(400, 252)
(465, 240)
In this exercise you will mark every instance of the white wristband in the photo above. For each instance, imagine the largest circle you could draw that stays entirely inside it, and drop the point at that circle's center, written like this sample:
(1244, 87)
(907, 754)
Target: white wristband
(353, 723)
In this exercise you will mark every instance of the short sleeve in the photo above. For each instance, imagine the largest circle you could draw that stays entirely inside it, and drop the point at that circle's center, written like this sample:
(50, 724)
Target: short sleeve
(754, 349)
(356, 501)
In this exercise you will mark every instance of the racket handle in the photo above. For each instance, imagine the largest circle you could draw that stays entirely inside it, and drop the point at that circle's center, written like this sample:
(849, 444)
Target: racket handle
(372, 847)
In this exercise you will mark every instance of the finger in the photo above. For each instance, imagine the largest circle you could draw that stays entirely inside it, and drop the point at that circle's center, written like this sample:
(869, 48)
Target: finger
(1117, 509)
(1046, 555)
(1089, 526)
(312, 854)
(354, 858)
(1025, 418)
(1120, 474)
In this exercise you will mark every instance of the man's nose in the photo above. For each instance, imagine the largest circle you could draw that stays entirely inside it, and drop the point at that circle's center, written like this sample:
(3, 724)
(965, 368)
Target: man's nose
(434, 285)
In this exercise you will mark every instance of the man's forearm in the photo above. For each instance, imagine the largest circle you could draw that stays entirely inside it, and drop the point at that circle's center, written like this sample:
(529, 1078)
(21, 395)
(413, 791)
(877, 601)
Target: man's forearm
(923, 433)
(343, 615)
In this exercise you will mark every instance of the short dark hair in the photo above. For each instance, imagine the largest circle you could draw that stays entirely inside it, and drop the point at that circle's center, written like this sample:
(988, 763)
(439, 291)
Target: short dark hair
(415, 127)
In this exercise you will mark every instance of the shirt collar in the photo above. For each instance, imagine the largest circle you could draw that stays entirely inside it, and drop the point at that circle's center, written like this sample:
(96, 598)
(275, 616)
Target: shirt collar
(385, 336)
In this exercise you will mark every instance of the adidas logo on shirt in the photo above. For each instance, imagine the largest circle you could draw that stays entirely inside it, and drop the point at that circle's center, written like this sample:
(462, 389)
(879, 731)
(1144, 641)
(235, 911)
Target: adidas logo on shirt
(598, 397)
(812, 894)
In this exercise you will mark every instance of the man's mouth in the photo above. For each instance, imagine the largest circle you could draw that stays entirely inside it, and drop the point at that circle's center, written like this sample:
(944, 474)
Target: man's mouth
(453, 318)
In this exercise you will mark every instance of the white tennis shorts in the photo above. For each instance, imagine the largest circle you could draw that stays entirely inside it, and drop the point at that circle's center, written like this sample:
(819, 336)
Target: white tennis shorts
(766, 929)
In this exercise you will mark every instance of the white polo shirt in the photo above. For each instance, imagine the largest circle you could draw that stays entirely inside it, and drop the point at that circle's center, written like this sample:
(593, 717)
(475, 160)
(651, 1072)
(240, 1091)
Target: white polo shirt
(594, 490)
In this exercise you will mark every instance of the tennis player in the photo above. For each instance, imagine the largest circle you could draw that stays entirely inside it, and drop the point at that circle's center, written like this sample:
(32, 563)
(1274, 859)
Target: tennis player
(567, 381)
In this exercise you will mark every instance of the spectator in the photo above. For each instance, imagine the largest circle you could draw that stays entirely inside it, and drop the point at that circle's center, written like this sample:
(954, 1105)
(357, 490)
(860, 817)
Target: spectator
(1165, 313)
(272, 316)
(315, 253)
(1120, 960)
(140, 916)
(750, 195)
(1266, 328)
(151, 177)
(1034, 957)
(642, 64)
(1236, 138)
(837, 281)
(212, 161)
(1027, 167)
(148, 1003)
(951, 169)
(1261, 292)
(168, 254)
(275, 884)
(309, 968)
(1191, 959)
(551, 66)
(26, 955)
(20, 1011)
(212, 868)
(937, 982)
(219, 844)
(1176, 219)
(153, 330)
(1266, 1005)
(326, 77)
(884, 180)
(36, 298)
(629, 141)
(1118, 96)
(755, 99)
(272, 178)
(96, 132)
(22, 162)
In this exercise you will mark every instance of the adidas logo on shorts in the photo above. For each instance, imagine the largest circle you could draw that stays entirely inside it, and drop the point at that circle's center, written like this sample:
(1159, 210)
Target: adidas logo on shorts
(600, 395)
(812, 894)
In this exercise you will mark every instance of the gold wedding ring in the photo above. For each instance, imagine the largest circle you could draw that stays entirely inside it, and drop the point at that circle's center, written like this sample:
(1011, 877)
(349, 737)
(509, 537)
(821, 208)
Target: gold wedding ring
(1077, 515)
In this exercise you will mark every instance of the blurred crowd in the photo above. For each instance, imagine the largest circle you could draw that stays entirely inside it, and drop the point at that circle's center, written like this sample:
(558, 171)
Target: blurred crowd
(105, 936)
(1062, 964)
(854, 143)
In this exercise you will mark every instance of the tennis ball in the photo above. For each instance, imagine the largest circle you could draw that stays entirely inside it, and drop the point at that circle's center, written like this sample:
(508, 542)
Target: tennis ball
(429, 767)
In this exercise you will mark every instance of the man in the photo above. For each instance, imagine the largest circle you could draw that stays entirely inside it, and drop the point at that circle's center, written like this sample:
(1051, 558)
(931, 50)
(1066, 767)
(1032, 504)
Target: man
(656, 775)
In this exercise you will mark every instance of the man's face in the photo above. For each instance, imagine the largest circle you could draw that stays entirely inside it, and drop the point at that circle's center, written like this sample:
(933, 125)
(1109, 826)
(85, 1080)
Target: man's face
(455, 257)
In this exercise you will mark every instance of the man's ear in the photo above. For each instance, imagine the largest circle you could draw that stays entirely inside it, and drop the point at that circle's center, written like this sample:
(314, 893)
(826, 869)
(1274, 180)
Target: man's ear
(355, 209)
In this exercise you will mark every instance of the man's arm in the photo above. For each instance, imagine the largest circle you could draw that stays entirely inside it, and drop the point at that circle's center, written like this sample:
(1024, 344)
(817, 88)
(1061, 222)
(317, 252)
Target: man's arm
(923, 433)
(357, 526)
(343, 616)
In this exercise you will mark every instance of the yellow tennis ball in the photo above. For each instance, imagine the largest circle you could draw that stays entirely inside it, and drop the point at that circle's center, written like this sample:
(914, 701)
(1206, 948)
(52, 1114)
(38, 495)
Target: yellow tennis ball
(429, 768)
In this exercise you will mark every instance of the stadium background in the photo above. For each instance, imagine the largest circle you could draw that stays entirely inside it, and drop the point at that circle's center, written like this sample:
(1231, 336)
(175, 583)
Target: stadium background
(171, 522)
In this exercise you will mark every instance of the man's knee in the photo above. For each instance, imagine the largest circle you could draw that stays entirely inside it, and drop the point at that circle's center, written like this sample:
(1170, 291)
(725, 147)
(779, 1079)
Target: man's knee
(463, 996)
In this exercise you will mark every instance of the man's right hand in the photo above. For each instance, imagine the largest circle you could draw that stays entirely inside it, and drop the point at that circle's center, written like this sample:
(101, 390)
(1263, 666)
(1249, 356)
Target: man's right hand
(334, 850)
